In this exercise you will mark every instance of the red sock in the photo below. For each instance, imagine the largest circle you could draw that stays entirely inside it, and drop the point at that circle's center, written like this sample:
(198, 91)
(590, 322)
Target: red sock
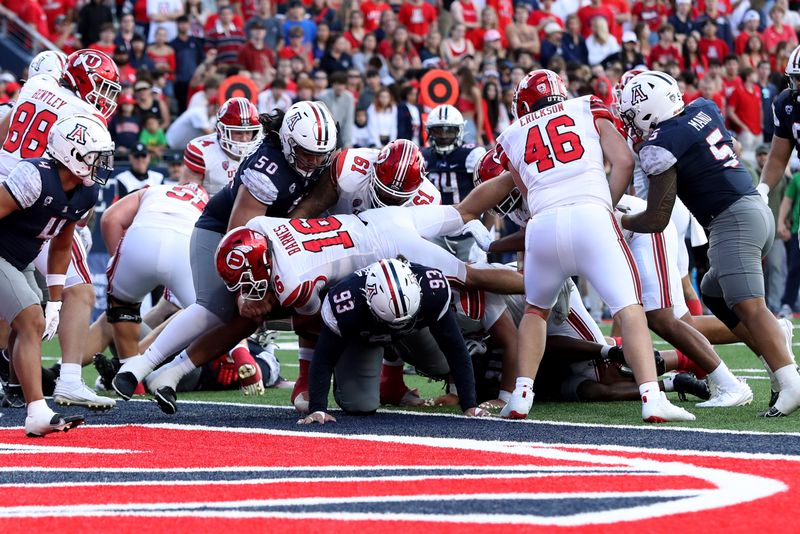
(617, 340)
(685, 364)
(393, 385)
(242, 356)
(301, 385)
(695, 307)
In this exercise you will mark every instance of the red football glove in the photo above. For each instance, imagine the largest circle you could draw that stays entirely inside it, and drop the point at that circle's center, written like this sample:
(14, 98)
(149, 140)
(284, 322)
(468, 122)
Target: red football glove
(227, 372)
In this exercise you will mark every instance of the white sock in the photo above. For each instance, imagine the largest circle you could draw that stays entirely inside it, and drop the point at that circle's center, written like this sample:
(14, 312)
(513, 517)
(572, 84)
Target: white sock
(175, 370)
(722, 376)
(504, 395)
(667, 381)
(604, 350)
(37, 407)
(396, 363)
(524, 382)
(182, 330)
(772, 380)
(305, 353)
(649, 389)
(70, 373)
(788, 377)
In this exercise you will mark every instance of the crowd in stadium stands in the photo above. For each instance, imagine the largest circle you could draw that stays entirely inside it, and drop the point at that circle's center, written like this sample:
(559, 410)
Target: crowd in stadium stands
(364, 59)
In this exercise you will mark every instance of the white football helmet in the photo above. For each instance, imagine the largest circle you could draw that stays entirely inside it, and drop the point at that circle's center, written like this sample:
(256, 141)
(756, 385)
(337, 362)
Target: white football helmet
(308, 137)
(793, 69)
(393, 292)
(648, 99)
(83, 145)
(445, 128)
(48, 62)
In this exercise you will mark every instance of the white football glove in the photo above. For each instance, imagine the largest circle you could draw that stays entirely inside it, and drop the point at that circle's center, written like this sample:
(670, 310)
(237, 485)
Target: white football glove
(481, 234)
(763, 190)
(86, 237)
(52, 314)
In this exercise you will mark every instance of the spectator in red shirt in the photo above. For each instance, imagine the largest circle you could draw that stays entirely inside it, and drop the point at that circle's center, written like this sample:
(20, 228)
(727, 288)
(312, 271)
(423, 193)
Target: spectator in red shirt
(127, 74)
(387, 25)
(504, 10)
(777, 31)
(297, 48)
(465, 12)
(254, 55)
(709, 92)
(57, 8)
(417, 16)
(66, 38)
(226, 37)
(372, 13)
(711, 46)
(400, 43)
(753, 53)
(693, 60)
(730, 79)
(106, 42)
(212, 19)
(542, 16)
(744, 113)
(355, 32)
(162, 54)
(653, 12)
(31, 12)
(488, 22)
(750, 23)
(456, 46)
(666, 49)
(597, 9)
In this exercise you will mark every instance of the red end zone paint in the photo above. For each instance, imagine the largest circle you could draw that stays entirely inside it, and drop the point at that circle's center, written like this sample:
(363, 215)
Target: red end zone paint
(369, 472)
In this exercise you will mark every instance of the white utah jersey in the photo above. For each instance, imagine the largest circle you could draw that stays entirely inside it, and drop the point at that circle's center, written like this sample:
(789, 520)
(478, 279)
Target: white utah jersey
(351, 172)
(204, 156)
(41, 103)
(171, 207)
(556, 152)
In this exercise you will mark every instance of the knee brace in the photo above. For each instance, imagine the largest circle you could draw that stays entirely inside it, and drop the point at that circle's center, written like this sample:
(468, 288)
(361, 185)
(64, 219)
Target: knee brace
(721, 311)
(123, 312)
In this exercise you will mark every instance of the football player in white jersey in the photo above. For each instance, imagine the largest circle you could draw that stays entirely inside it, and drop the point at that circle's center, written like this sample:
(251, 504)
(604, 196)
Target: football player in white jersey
(158, 220)
(555, 151)
(366, 178)
(87, 83)
(212, 160)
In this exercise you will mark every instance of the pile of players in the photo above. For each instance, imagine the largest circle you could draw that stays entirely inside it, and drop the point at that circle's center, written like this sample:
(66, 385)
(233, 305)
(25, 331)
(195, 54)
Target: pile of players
(376, 258)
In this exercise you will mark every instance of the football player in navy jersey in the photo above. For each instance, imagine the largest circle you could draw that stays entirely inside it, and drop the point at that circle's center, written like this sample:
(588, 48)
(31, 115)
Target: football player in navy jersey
(373, 307)
(450, 164)
(688, 152)
(297, 147)
(43, 199)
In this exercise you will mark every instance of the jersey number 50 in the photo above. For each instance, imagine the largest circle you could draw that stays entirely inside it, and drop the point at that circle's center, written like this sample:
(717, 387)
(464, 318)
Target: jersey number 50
(564, 145)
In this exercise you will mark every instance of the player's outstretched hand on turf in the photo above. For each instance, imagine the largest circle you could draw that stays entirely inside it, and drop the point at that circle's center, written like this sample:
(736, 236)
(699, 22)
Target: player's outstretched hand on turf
(476, 412)
(316, 417)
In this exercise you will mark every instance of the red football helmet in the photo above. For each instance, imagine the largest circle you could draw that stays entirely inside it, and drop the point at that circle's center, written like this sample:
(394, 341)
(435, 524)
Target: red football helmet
(397, 174)
(488, 167)
(238, 128)
(94, 77)
(623, 81)
(242, 260)
(540, 88)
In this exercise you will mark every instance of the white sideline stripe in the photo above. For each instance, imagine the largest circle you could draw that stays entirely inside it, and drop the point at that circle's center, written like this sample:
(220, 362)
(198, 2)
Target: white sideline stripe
(762, 370)
(737, 344)
(653, 428)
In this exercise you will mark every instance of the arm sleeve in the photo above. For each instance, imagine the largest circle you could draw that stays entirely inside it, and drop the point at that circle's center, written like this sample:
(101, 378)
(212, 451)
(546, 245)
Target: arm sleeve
(193, 159)
(447, 335)
(260, 186)
(327, 352)
(656, 159)
(24, 183)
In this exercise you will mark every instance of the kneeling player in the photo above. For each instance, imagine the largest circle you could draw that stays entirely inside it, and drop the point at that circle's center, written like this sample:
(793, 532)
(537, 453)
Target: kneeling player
(372, 307)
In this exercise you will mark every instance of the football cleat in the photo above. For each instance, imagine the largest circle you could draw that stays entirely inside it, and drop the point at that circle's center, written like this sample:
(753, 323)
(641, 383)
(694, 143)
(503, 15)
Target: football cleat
(132, 372)
(519, 405)
(107, 369)
(167, 400)
(300, 401)
(250, 383)
(78, 394)
(12, 397)
(684, 383)
(725, 397)
(37, 426)
(787, 402)
(659, 409)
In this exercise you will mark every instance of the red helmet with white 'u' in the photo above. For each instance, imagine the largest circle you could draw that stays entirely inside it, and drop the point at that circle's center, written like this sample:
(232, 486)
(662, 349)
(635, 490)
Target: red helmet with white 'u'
(539, 89)
(397, 174)
(242, 261)
(238, 128)
(93, 76)
(489, 167)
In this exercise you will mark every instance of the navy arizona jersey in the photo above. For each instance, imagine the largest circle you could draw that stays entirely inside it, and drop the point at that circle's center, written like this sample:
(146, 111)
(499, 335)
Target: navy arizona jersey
(44, 209)
(346, 312)
(786, 117)
(268, 177)
(452, 173)
(696, 142)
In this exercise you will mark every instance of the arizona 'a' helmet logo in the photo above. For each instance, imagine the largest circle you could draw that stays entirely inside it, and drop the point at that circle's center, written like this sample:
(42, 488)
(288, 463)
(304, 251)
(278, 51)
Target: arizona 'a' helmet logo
(637, 95)
(78, 134)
